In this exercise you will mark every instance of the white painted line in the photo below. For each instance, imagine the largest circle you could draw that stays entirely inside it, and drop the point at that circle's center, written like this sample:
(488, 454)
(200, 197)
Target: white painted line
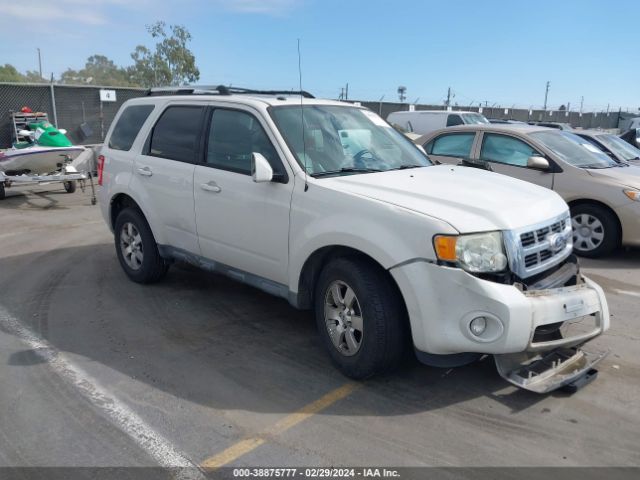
(626, 292)
(122, 416)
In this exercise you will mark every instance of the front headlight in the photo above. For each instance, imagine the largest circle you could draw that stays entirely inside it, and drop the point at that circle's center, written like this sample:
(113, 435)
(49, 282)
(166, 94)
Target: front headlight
(632, 194)
(476, 252)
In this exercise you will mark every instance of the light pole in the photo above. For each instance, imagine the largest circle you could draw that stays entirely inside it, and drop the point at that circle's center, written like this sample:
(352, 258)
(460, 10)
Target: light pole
(546, 95)
(39, 62)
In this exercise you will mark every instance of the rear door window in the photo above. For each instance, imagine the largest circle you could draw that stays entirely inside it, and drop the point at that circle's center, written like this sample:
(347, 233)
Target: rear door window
(128, 126)
(505, 149)
(453, 120)
(176, 135)
(452, 145)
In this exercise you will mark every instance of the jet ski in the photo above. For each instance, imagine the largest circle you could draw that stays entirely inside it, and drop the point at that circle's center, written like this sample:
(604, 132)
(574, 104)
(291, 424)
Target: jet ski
(47, 149)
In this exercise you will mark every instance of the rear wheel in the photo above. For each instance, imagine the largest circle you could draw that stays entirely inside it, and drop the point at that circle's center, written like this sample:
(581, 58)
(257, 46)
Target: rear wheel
(2, 191)
(360, 317)
(137, 249)
(595, 230)
(70, 186)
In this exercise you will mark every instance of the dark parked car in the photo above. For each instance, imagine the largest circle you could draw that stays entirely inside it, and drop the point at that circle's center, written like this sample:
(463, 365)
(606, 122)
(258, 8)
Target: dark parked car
(615, 147)
(632, 136)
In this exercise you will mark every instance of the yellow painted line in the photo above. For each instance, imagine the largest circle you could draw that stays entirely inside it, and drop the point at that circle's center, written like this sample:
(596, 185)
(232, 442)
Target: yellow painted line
(249, 444)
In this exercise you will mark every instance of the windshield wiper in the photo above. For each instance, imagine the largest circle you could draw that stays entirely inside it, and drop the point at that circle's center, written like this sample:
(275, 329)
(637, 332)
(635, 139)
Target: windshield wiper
(346, 170)
(406, 166)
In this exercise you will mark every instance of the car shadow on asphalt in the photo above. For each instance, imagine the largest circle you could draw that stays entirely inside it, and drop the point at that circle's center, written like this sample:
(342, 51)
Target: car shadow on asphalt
(622, 258)
(212, 341)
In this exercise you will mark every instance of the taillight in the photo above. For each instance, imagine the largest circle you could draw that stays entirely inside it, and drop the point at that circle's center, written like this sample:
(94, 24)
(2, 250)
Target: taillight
(100, 168)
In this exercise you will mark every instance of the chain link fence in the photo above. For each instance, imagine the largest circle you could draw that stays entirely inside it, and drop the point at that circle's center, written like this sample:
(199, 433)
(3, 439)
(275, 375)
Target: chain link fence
(79, 110)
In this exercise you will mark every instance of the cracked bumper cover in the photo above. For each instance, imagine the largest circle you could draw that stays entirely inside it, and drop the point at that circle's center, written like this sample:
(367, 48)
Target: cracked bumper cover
(441, 302)
(548, 371)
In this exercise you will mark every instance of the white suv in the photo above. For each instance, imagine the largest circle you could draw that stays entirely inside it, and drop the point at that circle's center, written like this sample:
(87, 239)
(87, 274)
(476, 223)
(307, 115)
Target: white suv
(326, 205)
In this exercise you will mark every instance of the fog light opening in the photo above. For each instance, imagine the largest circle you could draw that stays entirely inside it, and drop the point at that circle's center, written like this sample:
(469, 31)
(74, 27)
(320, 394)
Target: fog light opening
(478, 325)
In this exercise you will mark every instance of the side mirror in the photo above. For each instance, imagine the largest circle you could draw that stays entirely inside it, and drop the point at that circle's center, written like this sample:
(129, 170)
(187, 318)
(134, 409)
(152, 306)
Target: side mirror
(261, 171)
(63, 131)
(538, 163)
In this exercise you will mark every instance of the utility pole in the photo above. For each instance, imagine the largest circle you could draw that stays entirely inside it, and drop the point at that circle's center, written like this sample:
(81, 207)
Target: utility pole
(546, 95)
(346, 93)
(448, 97)
(39, 62)
(380, 107)
(581, 104)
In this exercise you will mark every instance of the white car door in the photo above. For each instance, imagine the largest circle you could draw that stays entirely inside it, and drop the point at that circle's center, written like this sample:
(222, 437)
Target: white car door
(242, 224)
(163, 174)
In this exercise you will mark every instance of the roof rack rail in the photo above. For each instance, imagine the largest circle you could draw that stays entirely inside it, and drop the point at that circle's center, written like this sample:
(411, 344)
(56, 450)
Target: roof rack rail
(221, 90)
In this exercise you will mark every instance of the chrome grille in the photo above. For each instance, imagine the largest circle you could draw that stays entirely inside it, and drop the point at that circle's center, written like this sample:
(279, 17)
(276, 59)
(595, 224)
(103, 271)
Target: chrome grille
(536, 248)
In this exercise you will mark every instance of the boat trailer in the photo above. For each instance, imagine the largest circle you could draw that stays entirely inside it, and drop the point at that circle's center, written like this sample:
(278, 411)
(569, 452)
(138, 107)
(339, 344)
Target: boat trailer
(69, 176)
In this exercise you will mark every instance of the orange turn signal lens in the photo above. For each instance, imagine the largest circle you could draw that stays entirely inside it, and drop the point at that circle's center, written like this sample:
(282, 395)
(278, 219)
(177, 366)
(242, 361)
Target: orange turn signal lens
(633, 194)
(445, 246)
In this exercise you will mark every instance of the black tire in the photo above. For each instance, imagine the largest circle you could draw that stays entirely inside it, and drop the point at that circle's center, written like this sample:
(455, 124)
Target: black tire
(153, 267)
(70, 186)
(609, 228)
(2, 191)
(382, 342)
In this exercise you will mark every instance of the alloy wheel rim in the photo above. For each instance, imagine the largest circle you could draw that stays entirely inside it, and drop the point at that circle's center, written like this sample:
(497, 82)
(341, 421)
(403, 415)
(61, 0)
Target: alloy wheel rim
(131, 246)
(343, 318)
(588, 232)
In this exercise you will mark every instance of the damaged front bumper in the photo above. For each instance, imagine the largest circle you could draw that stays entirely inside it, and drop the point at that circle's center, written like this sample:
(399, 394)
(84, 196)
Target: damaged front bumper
(548, 371)
(554, 357)
(534, 329)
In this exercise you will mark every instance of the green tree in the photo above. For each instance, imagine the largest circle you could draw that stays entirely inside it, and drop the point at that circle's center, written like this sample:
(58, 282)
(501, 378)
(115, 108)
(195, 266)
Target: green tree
(32, 76)
(8, 73)
(99, 70)
(170, 63)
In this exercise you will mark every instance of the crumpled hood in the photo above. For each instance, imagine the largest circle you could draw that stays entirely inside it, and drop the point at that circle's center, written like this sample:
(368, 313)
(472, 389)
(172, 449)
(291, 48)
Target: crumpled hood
(628, 176)
(469, 199)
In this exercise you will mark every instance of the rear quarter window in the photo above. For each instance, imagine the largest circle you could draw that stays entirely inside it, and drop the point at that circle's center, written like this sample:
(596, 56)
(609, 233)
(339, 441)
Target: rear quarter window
(128, 126)
(453, 120)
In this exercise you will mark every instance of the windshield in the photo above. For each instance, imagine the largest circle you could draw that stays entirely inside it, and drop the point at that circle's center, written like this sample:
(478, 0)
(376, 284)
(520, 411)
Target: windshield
(619, 147)
(475, 119)
(345, 140)
(574, 150)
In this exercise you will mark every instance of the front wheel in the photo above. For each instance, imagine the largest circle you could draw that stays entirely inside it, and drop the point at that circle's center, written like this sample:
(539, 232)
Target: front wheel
(595, 231)
(70, 186)
(360, 317)
(137, 249)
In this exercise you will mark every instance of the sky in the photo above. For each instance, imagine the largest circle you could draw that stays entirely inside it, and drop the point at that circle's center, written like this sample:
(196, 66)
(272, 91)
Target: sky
(494, 52)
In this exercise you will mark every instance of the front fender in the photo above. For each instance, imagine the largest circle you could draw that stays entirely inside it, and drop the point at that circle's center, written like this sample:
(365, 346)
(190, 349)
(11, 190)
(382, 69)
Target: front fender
(387, 233)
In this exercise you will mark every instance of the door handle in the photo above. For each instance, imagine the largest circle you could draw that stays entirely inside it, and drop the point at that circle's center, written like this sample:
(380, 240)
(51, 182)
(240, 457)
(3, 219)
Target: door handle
(211, 187)
(145, 171)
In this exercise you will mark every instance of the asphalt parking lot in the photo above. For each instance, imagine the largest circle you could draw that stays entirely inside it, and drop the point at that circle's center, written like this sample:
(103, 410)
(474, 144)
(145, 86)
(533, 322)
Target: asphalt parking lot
(202, 371)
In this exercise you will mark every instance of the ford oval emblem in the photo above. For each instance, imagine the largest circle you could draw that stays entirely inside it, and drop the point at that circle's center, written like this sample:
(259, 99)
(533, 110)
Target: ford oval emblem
(557, 242)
